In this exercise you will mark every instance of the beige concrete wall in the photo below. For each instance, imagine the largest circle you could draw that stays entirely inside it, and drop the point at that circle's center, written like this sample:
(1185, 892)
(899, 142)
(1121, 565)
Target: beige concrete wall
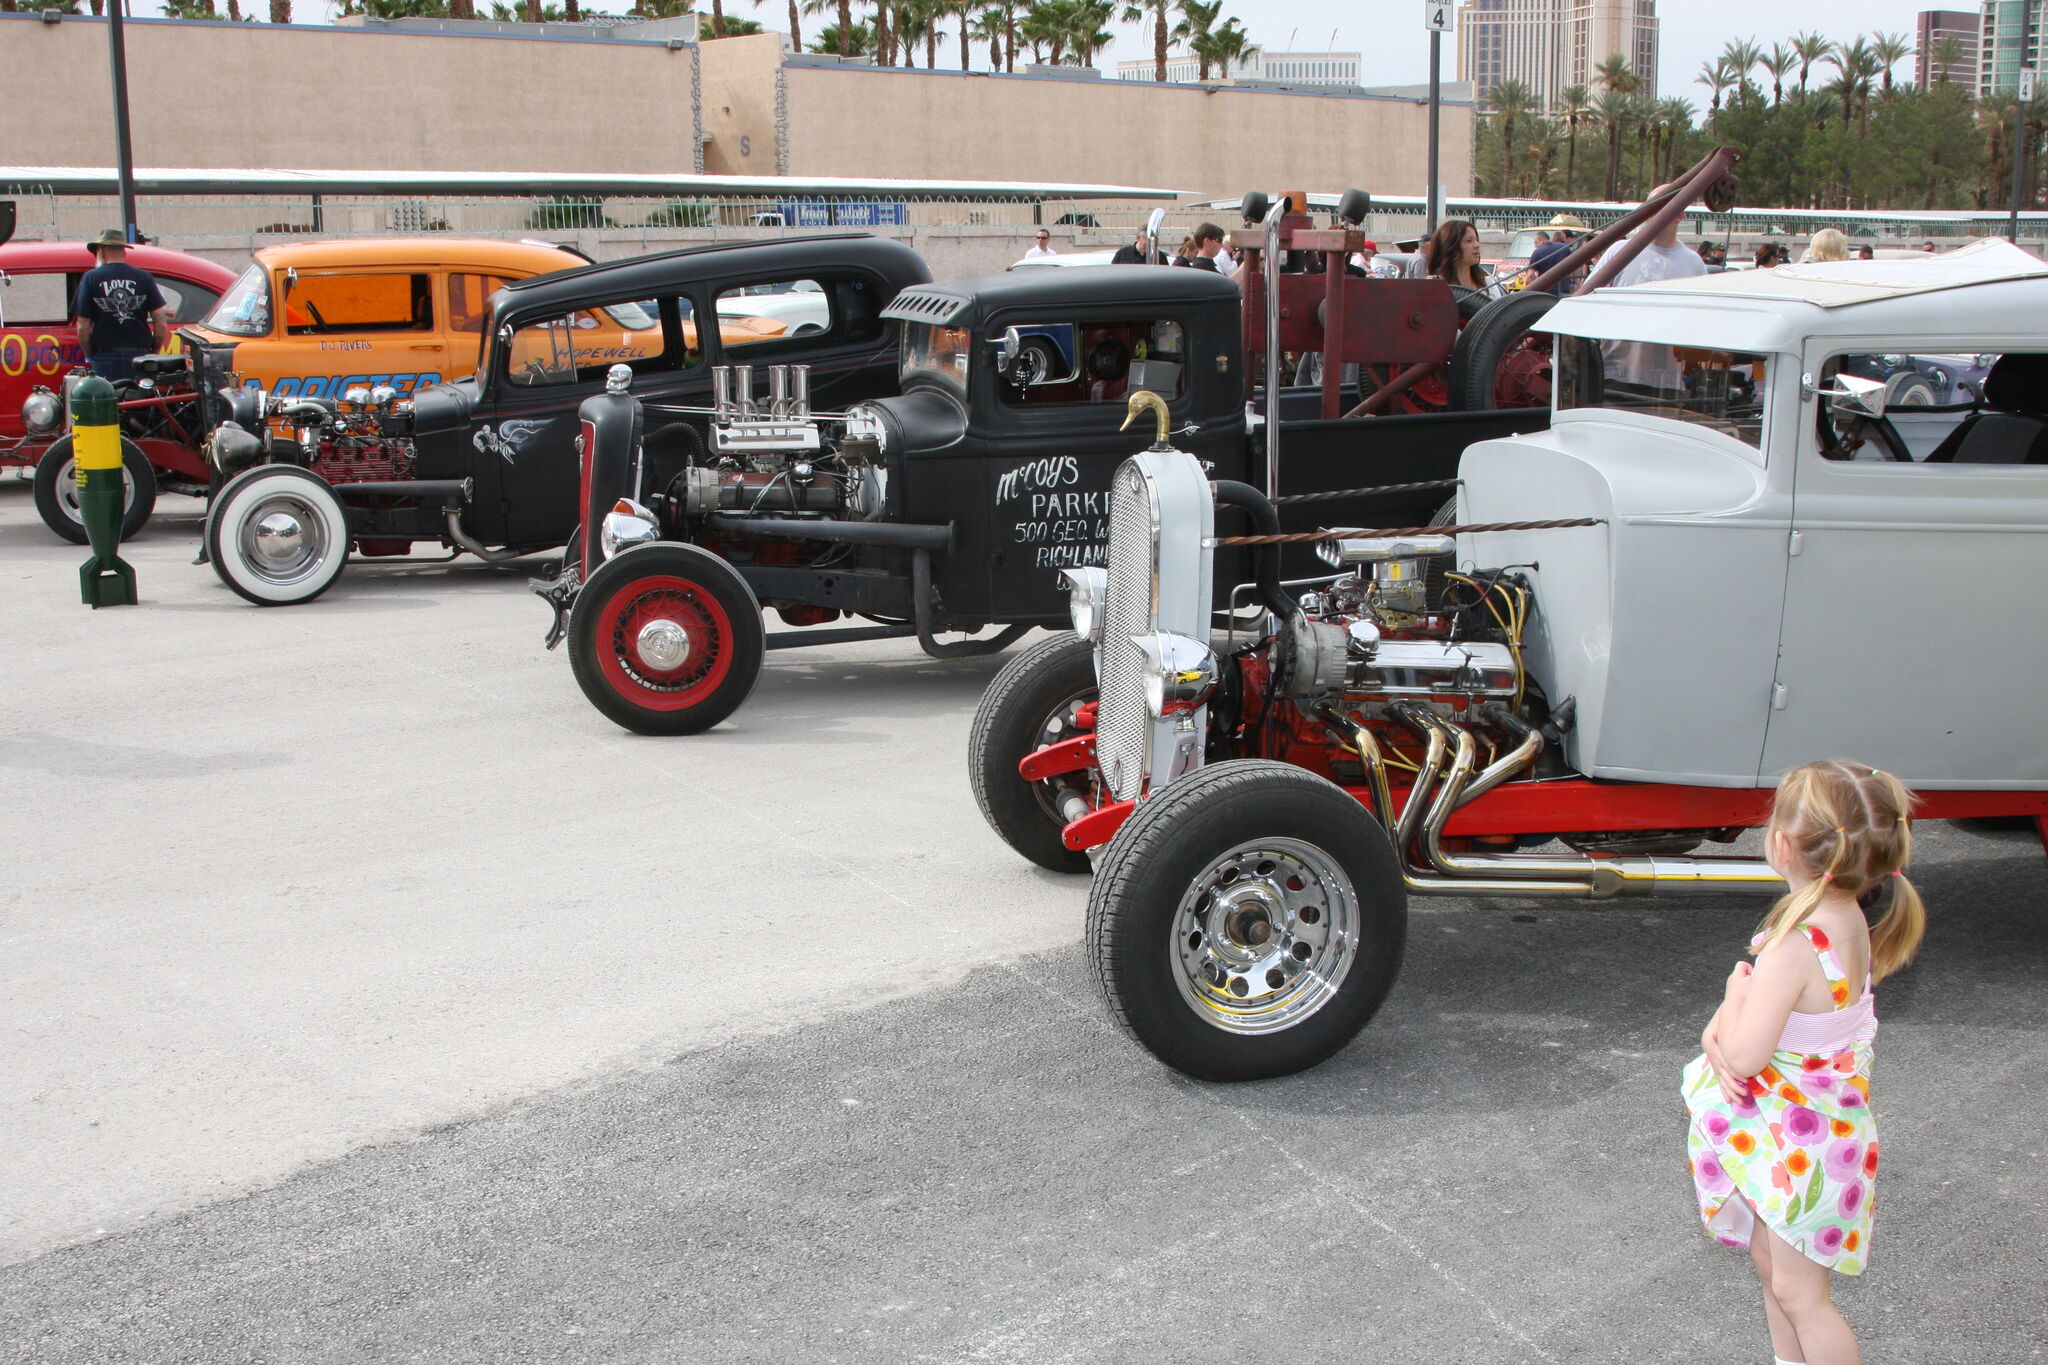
(1209, 142)
(309, 97)
(739, 105)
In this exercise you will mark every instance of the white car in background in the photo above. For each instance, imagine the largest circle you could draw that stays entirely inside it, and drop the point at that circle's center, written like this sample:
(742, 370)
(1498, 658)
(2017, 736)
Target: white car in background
(802, 308)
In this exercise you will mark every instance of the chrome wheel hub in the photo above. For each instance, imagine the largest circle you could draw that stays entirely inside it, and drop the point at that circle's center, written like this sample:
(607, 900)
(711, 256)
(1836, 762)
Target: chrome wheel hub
(283, 540)
(1265, 936)
(663, 645)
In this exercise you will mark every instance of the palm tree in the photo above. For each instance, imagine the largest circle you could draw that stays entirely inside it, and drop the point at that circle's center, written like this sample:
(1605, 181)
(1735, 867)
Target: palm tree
(859, 43)
(1614, 74)
(1047, 24)
(1811, 48)
(1717, 78)
(1674, 120)
(796, 33)
(1889, 49)
(1948, 50)
(1133, 12)
(1741, 54)
(1779, 61)
(1614, 109)
(1223, 46)
(1512, 101)
(1574, 105)
(989, 27)
(1196, 20)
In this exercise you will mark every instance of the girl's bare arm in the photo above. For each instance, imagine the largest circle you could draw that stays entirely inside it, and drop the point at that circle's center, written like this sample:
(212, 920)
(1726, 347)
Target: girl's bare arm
(1759, 1001)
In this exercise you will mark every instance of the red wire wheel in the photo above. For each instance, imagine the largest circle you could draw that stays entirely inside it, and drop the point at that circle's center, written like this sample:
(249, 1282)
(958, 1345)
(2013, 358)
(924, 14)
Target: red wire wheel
(666, 640)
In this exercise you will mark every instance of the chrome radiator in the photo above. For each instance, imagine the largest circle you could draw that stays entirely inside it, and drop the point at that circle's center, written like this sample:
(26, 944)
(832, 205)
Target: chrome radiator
(1161, 514)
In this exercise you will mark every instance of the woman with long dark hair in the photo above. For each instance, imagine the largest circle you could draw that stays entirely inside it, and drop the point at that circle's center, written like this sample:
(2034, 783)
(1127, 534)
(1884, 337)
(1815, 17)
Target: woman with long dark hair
(1453, 255)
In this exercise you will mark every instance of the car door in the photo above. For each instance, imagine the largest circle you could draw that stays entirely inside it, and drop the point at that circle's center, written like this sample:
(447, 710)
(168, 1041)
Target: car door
(344, 329)
(527, 470)
(37, 341)
(1912, 606)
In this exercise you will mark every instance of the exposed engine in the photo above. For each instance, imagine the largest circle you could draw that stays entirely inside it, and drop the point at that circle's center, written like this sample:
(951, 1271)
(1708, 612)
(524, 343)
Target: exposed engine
(364, 436)
(772, 458)
(1403, 628)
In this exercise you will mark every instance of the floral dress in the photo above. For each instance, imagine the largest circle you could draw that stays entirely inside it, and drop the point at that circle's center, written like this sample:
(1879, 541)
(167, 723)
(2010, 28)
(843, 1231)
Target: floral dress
(1801, 1150)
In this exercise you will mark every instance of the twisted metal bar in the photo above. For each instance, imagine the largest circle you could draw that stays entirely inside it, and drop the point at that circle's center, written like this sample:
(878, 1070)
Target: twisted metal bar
(1336, 493)
(1310, 537)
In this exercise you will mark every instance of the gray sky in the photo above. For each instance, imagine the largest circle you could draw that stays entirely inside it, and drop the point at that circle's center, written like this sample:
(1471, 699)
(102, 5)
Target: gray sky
(1396, 48)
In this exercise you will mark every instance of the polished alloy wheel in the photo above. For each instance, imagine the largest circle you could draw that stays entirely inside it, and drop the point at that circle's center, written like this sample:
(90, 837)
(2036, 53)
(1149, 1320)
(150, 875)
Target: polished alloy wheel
(1265, 936)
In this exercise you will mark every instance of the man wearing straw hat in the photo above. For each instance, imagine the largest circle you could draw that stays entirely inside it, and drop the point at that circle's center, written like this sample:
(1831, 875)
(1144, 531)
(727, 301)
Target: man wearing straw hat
(1562, 229)
(119, 310)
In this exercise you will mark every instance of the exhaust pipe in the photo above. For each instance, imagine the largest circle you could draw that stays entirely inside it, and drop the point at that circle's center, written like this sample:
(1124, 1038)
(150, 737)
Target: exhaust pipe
(1575, 875)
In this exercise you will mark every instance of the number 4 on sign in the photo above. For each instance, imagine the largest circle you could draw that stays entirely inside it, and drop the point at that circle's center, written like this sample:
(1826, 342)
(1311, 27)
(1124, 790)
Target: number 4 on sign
(1436, 16)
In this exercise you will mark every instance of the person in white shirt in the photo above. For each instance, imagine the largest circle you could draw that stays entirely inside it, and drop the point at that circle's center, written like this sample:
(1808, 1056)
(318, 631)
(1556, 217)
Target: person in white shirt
(1647, 365)
(1044, 247)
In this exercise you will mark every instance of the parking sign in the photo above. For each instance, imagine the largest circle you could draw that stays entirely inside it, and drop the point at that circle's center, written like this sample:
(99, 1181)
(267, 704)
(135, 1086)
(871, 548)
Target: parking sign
(2026, 84)
(1436, 16)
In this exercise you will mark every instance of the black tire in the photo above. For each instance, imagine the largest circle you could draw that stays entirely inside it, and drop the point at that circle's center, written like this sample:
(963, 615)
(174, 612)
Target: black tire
(1181, 849)
(56, 490)
(260, 558)
(689, 588)
(1485, 341)
(1027, 707)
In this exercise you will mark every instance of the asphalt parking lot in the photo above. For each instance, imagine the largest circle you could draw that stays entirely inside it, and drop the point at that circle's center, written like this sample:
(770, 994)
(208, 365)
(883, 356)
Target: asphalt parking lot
(370, 997)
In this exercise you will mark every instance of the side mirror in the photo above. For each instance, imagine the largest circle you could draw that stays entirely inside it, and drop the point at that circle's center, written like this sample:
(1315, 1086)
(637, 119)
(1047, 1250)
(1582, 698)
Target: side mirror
(291, 279)
(1853, 396)
(1009, 349)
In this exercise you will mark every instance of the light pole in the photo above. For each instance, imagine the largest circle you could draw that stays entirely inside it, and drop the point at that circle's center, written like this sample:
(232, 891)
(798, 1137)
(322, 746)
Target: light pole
(1436, 17)
(2022, 96)
(124, 156)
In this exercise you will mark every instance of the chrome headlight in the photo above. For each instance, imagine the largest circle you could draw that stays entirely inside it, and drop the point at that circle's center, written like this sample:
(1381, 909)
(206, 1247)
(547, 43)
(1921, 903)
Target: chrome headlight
(1180, 674)
(41, 412)
(626, 525)
(1086, 588)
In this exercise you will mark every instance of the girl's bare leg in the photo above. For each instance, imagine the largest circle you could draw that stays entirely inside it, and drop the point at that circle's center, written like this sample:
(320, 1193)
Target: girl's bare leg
(1800, 1287)
(1784, 1340)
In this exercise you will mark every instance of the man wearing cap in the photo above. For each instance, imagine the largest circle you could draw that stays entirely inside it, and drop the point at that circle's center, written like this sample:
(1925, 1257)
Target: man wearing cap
(119, 311)
(1562, 229)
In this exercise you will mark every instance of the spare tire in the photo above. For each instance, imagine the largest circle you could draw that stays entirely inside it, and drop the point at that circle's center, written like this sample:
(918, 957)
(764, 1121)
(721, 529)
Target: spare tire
(1494, 342)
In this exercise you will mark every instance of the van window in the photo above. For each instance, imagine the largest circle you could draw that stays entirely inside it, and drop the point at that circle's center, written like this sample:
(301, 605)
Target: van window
(1095, 362)
(320, 305)
(469, 300)
(37, 300)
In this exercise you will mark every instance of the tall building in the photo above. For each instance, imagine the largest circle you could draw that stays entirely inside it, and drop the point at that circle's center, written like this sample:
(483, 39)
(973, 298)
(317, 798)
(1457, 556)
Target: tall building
(2010, 38)
(1341, 70)
(1935, 25)
(1549, 45)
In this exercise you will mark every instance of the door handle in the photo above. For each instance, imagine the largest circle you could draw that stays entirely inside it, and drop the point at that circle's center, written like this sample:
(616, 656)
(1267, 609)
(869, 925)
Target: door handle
(425, 346)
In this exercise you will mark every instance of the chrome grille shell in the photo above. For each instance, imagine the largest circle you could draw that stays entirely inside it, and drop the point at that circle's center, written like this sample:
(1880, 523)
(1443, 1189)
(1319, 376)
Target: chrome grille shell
(1161, 515)
(1123, 732)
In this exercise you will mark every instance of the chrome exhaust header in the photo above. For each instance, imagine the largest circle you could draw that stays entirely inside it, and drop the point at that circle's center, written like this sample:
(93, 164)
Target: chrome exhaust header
(1578, 876)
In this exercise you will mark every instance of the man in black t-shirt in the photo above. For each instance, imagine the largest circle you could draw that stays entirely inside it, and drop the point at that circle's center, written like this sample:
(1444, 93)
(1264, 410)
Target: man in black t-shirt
(1134, 254)
(119, 311)
(1208, 242)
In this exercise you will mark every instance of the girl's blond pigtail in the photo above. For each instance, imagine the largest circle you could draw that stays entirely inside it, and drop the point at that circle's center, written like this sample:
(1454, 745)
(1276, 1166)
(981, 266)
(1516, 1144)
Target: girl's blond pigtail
(1895, 938)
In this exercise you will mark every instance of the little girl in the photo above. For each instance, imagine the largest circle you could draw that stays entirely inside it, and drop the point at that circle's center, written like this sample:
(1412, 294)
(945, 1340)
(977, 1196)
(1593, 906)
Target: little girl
(1782, 1141)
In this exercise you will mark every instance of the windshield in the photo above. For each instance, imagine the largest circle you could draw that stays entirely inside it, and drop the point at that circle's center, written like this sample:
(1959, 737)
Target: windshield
(1723, 390)
(244, 311)
(938, 351)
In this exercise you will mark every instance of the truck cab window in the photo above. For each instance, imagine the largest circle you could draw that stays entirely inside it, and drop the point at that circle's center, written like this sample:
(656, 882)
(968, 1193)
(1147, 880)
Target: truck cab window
(1721, 390)
(580, 347)
(1941, 409)
(1092, 362)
